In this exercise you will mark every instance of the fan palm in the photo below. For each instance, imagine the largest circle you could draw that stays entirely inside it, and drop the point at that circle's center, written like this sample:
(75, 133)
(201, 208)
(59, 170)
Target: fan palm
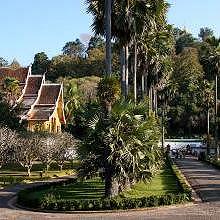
(126, 149)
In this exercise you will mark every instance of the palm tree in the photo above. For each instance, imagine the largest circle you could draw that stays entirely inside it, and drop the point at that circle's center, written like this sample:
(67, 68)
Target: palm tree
(122, 27)
(215, 61)
(108, 12)
(72, 98)
(131, 142)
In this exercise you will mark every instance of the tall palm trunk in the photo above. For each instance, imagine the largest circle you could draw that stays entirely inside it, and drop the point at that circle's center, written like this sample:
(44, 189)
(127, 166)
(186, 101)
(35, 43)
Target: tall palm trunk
(110, 185)
(208, 131)
(155, 100)
(208, 122)
(123, 77)
(135, 72)
(108, 11)
(126, 70)
(151, 98)
(216, 115)
(142, 85)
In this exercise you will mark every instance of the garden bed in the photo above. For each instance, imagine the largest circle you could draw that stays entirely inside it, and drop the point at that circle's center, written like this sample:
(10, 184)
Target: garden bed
(167, 188)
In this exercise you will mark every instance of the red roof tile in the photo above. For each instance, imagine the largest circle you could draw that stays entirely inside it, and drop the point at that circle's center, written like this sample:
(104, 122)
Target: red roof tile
(49, 94)
(33, 84)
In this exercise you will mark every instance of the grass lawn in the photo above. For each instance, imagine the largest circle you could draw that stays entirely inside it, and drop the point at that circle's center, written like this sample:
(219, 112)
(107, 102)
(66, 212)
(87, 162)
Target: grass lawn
(163, 183)
(90, 189)
(14, 173)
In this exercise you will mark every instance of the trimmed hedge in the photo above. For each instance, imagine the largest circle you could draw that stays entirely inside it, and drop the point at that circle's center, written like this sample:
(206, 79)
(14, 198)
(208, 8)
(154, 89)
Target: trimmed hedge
(181, 180)
(50, 202)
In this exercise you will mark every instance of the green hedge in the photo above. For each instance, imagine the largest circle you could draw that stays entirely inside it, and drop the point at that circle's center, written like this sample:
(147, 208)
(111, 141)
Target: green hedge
(50, 202)
(186, 189)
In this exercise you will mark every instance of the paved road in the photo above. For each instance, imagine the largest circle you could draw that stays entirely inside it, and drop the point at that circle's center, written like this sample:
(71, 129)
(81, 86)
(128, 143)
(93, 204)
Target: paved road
(204, 178)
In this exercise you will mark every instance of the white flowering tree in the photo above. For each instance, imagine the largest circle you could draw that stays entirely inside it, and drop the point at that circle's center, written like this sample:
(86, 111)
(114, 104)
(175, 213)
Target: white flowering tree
(65, 148)
(47, 150)
(8, 140)
(26, 151)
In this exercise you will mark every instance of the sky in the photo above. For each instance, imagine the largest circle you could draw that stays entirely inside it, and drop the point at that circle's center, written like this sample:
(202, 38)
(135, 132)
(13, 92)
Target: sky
(32, 26)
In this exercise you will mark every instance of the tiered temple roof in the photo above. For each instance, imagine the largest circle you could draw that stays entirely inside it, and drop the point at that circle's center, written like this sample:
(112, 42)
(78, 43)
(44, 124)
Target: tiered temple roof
(46, 102)
(31, 90)
(39, 101)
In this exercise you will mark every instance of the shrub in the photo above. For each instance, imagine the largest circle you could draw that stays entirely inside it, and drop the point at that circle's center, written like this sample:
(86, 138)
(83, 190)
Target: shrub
(50, 202)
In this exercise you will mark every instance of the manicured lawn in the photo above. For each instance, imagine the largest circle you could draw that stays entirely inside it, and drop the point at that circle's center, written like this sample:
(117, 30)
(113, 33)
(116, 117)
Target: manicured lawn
(90, 189)
(13, 173)
(164, 183)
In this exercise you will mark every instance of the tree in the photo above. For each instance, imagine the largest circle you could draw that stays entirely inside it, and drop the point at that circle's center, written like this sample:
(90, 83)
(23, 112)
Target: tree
(126, 149)
(47, 150)
(205, 33)
(108, 35)
(130, 19)
(15, 64)
(11, 90)
(27, 150)
(185, 105)
(41, 64)
(75, 49)
(65, 148)
(9, 114)
(183, 39)
(95, 42)
(8, 140)
(3, 62)
(72, 100)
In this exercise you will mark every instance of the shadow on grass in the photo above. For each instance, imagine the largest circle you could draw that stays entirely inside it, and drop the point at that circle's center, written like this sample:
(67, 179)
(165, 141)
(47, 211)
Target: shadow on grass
(81, 190)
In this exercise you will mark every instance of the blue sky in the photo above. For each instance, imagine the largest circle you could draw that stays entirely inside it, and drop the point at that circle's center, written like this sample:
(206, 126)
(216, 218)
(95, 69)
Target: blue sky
(32, 26)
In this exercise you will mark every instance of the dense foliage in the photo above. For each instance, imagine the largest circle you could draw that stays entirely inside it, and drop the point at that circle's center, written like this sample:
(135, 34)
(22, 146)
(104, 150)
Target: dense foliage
(187, 93)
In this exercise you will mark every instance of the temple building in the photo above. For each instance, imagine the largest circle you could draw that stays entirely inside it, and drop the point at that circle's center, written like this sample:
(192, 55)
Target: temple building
(42, 104)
